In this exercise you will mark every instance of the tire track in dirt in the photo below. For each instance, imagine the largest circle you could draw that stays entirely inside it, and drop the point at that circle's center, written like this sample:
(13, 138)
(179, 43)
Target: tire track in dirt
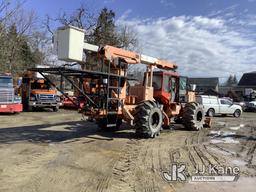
(104, 181)
(156, 162)
(70, 171)
(222, 149)
(140, 168)
(251, 156)
(206, 159)
(123, 170)
(216, 159)
(22, 172)
(152, 184)
(47, 176)
(194, 153)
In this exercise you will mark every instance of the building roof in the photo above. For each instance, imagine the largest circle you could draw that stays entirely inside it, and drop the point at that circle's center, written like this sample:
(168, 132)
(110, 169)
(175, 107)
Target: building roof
(248, 79)
(212, 92)
(204, 82)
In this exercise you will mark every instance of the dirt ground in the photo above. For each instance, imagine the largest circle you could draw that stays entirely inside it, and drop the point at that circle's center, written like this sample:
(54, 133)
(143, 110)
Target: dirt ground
(48, 151)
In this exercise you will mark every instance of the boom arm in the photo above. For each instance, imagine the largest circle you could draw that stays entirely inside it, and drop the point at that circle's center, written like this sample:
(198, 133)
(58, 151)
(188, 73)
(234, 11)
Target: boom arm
(130, 57)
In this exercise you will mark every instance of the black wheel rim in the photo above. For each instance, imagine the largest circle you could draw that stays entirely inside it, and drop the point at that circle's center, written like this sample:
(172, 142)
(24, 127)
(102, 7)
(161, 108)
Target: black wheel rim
(155, 119)
(199, 116)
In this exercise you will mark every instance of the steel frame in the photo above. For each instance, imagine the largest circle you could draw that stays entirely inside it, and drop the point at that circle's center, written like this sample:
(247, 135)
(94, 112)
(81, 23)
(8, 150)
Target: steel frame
(66, 73)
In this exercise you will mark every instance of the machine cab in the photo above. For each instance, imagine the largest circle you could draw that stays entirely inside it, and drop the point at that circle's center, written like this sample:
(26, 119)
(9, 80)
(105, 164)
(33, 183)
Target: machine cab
(166, 86)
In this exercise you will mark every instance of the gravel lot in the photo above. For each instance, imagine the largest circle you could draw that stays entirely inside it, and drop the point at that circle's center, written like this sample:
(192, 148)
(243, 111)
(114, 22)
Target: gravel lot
(48, 151)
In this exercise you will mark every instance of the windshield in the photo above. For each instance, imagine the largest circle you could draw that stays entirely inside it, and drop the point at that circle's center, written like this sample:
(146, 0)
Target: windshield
(36, 85)
(157, 82)
(6, 82)
(183, 83)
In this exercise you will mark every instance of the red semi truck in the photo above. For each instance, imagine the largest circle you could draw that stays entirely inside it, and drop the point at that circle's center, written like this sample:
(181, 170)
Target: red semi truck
(9, 102)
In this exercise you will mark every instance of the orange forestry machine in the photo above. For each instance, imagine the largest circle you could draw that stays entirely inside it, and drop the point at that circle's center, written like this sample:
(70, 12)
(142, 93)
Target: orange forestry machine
(148, 107)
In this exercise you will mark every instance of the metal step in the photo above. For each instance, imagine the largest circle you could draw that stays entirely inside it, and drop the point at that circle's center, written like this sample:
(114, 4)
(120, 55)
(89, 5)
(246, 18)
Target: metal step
(113, 98)
(112, 112)
(111, 125)
(113, 87)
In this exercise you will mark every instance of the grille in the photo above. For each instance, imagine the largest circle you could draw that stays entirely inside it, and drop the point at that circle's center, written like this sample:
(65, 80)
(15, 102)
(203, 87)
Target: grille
(6, 95)
(45, 97)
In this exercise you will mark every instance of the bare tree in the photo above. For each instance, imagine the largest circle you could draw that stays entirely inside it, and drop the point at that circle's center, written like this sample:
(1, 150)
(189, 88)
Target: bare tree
(127, 37)
(47, 24)
(7, 10)
(81, 18)
(25, 22)
(17, 26)
(99, 29)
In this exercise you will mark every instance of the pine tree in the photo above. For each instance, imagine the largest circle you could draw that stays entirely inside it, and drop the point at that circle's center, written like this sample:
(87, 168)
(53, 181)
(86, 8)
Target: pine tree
(232, 81)
(235, 81)
(16, 54)
(105, 31)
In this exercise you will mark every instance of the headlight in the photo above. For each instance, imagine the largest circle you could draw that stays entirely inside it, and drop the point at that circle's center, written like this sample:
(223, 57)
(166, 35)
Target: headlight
(58, 99)
(17, 99)
(32, 98)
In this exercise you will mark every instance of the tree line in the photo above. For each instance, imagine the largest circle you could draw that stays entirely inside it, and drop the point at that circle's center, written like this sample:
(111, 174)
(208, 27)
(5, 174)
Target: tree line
(26, 40)
(16, 51)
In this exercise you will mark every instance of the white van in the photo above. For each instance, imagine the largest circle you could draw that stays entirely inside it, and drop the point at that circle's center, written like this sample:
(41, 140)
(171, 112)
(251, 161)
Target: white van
(214, 105)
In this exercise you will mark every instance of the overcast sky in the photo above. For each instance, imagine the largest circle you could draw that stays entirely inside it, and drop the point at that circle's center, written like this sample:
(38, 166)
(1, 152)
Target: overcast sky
(203, 37)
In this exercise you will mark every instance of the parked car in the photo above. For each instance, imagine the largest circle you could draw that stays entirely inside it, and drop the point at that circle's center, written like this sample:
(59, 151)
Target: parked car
(242, 104)
(250, 106)
(219, 106)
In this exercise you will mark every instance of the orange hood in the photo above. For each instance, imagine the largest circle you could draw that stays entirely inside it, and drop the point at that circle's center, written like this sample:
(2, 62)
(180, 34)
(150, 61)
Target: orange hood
(43, 91)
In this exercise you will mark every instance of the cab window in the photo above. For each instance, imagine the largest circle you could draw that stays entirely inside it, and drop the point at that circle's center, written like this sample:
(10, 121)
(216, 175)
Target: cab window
(225, 102)
(157, 82)
(167, 83)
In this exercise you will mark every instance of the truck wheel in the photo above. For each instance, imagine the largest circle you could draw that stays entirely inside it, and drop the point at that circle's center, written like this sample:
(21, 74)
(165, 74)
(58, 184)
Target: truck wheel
(110, 123)
(237, 113)
(55, 109)
(210, 113)
(148, 119)
(31, 108)
(193, 116)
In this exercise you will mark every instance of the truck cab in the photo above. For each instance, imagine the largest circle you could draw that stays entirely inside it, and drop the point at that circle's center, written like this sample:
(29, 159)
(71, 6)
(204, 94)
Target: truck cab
(9, 102)
(38, 93)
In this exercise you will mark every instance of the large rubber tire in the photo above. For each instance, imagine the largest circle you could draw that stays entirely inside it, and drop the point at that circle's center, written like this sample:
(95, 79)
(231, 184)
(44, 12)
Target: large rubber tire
(193, 116)
(211, 112)
(111, 119)
(148, 119)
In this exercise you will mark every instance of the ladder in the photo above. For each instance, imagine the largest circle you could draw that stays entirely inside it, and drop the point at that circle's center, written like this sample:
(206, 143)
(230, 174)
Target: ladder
(113, 103)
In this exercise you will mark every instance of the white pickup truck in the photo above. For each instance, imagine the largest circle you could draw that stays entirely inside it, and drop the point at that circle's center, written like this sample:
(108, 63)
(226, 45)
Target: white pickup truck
(214, 105)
